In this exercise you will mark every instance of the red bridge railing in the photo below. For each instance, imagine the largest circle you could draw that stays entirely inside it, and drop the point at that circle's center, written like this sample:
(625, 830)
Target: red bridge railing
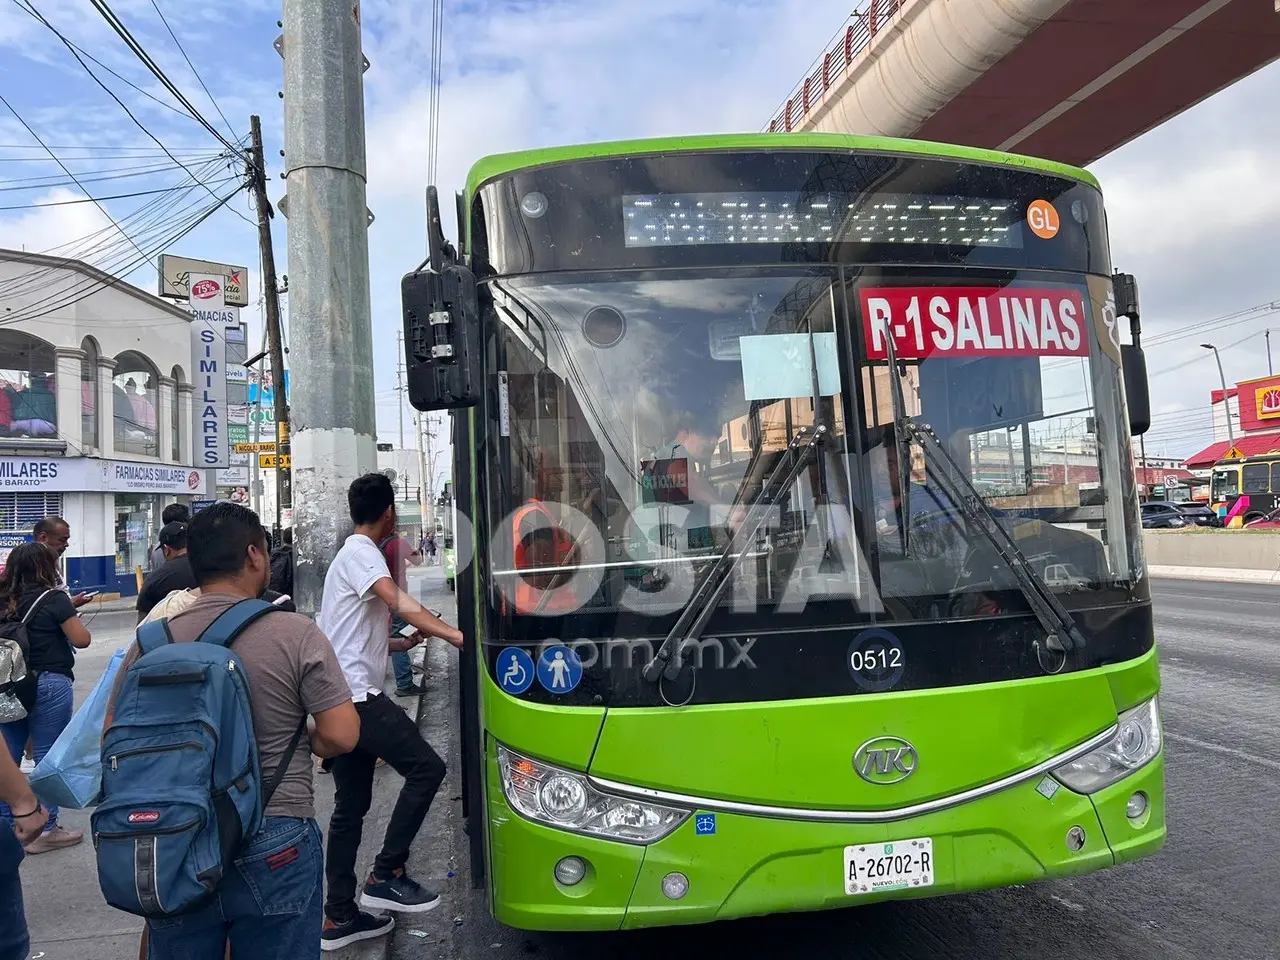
(854, 37)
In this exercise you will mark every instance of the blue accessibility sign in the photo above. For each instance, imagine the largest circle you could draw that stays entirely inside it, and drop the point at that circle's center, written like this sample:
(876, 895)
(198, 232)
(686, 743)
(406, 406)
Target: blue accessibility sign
(559, 669)
(515, 670)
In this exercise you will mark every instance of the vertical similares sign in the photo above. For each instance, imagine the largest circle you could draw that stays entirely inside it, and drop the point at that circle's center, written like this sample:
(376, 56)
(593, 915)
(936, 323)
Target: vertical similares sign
(209, 371)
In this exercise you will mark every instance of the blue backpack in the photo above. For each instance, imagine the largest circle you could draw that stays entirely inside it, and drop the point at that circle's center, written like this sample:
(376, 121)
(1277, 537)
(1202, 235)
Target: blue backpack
(182, 789)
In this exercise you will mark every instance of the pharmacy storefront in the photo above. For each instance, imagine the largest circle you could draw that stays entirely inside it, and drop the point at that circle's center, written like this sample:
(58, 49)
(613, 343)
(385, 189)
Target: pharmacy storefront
(112, 506)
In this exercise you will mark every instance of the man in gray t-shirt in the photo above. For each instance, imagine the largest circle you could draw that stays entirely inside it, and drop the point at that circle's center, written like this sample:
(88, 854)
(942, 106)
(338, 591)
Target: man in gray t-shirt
(293, 674)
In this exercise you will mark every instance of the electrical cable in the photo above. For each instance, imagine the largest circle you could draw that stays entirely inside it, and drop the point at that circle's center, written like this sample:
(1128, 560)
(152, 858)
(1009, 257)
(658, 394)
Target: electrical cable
(122, 79)
(98, 246)
(117, 196)
(138, 51)
(65, 168)
(194, 71)
(189, 224)
(235, 148)
(48, 181)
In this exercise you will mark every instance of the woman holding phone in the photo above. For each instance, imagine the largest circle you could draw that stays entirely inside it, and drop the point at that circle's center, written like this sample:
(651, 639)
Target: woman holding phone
(29, 590)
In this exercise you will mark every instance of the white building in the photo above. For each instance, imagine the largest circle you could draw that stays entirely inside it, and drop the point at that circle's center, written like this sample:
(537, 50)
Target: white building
(95, 414)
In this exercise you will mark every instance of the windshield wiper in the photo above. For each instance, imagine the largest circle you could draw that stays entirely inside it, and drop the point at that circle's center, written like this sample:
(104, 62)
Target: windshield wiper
(706, 596)
(1060, 628)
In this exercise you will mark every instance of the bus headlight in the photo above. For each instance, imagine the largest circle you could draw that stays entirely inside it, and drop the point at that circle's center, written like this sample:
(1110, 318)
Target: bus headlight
(566, 800)
(1136, 742)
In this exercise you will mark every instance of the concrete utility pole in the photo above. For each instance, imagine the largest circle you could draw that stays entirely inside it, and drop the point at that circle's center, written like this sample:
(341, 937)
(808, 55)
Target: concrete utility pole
(271, 296)
(400, 382)
(335, 435)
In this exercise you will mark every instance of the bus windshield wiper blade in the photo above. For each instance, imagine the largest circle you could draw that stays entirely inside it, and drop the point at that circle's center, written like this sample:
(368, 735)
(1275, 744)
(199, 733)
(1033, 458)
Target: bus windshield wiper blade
(706, 596)
(1061, 631)
(1063, 634)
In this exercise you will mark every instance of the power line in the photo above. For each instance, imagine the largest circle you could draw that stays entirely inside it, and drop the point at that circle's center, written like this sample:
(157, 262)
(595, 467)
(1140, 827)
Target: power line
(118, 196)
(50, 181)
(435, 83)
(136, 48)
(111, 93)
(122, 79)
(65, 168)
(95, 285)
(194, 71)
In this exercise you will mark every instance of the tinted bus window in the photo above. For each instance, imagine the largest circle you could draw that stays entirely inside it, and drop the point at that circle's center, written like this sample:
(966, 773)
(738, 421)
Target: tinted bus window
(1257, 478)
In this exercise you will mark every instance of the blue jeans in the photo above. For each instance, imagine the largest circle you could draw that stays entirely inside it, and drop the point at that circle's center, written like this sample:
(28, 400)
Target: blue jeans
(270, 907)
(403, 668)
(54, 701)
(14, 942)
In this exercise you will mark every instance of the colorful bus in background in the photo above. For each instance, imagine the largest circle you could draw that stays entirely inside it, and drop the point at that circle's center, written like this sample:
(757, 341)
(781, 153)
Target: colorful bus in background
(1245, 489)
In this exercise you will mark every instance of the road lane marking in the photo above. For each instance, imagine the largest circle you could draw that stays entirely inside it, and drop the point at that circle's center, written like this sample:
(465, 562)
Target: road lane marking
(1225, 751)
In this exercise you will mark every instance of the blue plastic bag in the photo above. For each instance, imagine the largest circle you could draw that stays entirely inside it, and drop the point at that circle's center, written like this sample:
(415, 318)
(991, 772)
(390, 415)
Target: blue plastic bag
(70, 775)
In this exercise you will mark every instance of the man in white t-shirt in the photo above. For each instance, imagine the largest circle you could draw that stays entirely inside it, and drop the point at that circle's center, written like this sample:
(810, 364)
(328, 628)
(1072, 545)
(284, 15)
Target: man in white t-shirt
(360, 594)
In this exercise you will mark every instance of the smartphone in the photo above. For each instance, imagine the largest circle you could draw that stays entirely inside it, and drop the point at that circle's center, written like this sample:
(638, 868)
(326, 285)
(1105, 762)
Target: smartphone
(408, 630)
(90, 594)
(282, 599)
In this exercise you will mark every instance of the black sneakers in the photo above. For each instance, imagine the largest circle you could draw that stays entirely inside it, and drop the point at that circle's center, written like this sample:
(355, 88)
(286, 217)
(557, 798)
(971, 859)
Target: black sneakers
(335, 936)
(400, 894)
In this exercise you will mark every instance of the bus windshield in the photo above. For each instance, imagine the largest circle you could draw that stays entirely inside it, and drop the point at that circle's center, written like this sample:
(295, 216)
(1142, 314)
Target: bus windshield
(640, 414)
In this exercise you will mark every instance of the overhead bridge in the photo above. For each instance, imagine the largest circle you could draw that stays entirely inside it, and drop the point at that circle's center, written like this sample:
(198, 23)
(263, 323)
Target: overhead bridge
(1068, 80)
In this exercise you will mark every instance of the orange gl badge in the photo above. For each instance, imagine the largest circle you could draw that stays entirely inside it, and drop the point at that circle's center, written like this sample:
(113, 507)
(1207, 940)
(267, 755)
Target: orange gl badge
(1042, 218)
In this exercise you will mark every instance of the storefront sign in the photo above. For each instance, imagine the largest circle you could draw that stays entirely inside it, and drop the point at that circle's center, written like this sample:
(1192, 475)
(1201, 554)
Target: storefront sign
(146, 478)
(233, 477)
(270, 461)
(974, 322)
(8, 541)
(88, 475)
(209, 366)
(176, 276)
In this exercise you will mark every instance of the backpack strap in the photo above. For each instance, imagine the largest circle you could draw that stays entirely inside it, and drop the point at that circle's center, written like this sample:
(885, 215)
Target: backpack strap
(229, 624)
(153, 635)
(31, 610)
(269, 790)
(224, 631)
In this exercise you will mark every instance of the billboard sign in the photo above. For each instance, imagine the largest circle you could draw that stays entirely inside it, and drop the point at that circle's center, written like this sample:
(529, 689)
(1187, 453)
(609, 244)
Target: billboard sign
(176, 274)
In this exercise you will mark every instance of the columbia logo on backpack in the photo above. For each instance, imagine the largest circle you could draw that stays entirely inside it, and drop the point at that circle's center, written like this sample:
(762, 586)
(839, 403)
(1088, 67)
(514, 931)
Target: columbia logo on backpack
(182, 788)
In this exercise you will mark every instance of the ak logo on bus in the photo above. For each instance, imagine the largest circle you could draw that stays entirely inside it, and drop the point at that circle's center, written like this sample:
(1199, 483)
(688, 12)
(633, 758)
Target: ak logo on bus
(885, 760)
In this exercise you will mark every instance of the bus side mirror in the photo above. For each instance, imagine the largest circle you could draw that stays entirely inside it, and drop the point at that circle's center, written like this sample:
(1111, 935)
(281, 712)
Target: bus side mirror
(441, 338)
(1137, 393)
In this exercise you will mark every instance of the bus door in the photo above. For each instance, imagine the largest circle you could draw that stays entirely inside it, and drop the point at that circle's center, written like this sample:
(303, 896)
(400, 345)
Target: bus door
(471, 744)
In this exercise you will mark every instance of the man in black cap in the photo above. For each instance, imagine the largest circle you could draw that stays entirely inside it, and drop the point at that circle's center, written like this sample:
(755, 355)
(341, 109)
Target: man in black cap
(174, 574)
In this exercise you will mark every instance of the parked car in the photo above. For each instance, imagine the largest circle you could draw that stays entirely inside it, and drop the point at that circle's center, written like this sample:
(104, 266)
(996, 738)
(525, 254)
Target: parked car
(1270, 521)
(1159, 515)
(1200, 514)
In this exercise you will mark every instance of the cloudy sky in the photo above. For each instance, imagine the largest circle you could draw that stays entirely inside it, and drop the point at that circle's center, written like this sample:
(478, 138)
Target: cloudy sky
(1193, 205)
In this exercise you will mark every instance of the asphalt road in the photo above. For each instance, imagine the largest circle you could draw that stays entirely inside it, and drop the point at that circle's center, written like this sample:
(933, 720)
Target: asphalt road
(1211, 893)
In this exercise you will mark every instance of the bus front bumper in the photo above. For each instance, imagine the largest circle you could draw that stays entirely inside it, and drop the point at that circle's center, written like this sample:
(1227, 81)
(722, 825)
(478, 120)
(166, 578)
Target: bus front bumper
(754, 865)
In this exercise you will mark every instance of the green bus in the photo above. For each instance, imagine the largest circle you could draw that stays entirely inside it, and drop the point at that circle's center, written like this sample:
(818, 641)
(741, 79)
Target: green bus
(799, 552)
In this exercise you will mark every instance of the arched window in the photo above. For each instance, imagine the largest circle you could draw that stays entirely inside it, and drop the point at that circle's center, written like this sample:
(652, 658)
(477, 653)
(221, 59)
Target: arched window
(134, 391)
(89, 394)
(28, 398)
(175, 413)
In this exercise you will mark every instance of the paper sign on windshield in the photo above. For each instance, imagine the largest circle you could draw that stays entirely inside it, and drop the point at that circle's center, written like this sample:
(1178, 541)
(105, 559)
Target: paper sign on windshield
(974, 322)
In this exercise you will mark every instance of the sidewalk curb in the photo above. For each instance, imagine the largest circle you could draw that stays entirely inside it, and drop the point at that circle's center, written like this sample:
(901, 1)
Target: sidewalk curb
(1215, 574)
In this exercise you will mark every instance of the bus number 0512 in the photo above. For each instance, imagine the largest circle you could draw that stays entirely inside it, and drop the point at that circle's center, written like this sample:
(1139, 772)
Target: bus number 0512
(875, 659)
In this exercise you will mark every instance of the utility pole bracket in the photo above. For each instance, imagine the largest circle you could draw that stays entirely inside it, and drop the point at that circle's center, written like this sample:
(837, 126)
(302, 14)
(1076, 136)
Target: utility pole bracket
(278, 45)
